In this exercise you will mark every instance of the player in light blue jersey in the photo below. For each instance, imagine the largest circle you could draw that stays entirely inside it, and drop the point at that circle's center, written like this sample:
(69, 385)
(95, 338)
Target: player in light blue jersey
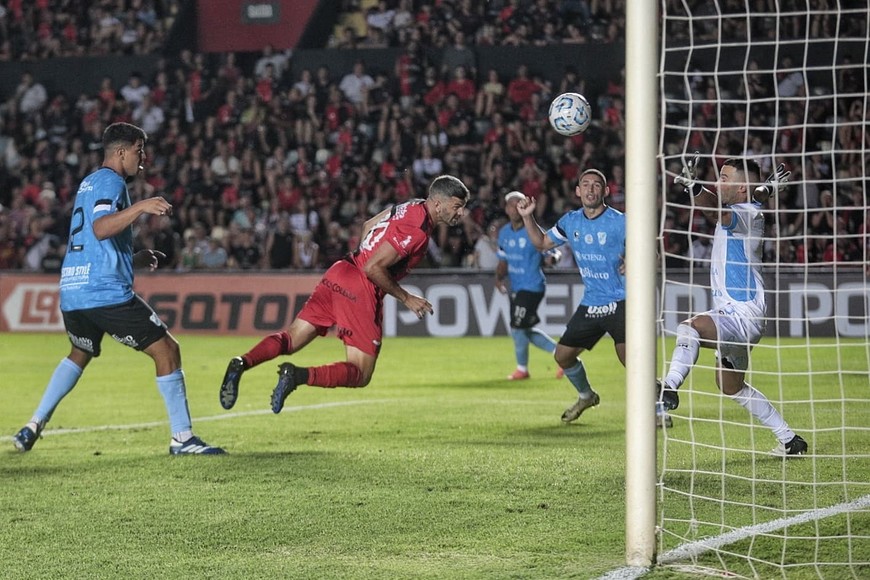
(736, 321)
(96, 290)
(521, 264)
(595, 233)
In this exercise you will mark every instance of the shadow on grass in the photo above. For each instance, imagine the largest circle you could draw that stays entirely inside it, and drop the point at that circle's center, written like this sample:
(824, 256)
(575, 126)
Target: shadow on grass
(11, 470)
(548, 434)
(269, 456)
(491, 384)
(16, 464)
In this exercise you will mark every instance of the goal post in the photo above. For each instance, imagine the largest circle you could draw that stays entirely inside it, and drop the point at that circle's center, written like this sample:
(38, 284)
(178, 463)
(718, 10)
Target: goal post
(641, 113)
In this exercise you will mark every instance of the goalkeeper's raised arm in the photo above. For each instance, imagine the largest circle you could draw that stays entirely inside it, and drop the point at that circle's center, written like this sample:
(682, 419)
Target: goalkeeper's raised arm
(701, 196)
(752, 189)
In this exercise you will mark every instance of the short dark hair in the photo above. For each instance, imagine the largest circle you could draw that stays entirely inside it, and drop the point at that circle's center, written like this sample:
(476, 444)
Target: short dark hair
(448, 186)
(596, 173)
(749, 167)
(122, 133)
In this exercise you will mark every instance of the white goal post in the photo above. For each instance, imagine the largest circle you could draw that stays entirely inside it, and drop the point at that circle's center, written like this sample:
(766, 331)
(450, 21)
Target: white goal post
(775, 81)
(641, 223)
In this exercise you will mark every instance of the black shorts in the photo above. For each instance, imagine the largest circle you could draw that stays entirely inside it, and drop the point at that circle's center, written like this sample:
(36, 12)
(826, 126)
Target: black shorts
(133, 323)
(524, 308)
(590, 323)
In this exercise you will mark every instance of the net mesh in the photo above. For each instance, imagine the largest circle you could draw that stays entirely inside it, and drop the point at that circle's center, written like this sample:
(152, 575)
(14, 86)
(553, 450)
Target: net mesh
(777, 82)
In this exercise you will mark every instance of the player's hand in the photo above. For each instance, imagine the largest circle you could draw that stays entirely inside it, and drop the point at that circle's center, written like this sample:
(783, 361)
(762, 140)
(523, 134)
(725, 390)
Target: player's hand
(418, 305)
(688, 178)
(148, 259)
(526, 206)
(499, 285)
(552, 257)
(774, 183)
(156, 206)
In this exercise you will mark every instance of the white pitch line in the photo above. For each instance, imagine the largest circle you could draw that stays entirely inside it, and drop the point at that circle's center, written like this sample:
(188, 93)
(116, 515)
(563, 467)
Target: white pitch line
(220, 417)
(694, 549)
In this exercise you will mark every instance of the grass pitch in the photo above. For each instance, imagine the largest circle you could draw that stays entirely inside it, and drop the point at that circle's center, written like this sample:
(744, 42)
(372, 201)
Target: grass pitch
(440, 468)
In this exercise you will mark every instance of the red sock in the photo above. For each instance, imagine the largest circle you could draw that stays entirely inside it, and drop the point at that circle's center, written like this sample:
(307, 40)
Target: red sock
(342, 374)
(270, 347)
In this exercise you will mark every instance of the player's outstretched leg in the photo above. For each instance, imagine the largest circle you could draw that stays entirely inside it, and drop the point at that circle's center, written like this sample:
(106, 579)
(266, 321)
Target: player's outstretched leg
(63, 380)
(230, 385)
(286, 384)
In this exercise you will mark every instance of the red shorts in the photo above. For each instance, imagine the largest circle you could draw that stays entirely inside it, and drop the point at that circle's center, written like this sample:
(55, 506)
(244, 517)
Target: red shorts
(347, 299)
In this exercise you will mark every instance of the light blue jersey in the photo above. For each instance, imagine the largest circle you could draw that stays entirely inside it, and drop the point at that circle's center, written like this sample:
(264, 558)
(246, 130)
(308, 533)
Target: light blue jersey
(97, 273)
(523, 260)
(735, 269)
(598, 246)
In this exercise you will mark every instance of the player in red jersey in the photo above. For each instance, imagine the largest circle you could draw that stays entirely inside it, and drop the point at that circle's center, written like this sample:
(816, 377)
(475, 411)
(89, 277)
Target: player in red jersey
(350, 297)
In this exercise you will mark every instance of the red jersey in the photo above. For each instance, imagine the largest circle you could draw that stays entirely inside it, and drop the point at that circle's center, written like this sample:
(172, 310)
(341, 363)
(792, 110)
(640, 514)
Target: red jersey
(407, 228)
(347, 300)
(463, 89)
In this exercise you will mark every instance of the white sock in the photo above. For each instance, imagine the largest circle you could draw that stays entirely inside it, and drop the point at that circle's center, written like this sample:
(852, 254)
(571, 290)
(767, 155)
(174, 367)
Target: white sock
(182, 436)
(759, 407)
(684, 357)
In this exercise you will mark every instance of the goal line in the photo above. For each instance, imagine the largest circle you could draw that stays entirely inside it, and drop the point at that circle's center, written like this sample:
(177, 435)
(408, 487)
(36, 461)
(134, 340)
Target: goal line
(692, 550)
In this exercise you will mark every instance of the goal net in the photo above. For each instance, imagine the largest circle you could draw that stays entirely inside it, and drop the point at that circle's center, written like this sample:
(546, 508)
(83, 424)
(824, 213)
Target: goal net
(786, 82)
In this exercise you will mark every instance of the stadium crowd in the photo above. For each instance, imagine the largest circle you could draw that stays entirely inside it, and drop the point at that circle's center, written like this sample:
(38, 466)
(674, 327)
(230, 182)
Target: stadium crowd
(271, 169)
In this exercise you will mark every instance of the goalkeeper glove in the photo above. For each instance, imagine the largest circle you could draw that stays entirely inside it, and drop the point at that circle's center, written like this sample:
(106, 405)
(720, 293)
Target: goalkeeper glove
(688, 178)
(774, 183)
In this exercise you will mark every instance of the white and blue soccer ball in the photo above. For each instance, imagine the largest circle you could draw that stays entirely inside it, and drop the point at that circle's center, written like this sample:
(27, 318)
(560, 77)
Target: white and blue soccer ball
(570, 114)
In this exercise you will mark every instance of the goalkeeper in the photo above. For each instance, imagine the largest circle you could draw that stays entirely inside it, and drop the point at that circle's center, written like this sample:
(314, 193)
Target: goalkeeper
(736, 322)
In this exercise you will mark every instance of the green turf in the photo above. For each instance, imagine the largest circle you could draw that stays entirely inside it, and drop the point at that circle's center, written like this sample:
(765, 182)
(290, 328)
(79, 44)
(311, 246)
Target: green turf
(440, 468)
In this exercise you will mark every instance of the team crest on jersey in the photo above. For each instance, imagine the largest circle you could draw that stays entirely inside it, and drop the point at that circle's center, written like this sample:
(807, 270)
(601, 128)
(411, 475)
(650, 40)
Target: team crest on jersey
(588, 238)
(602, 238)
(404, 243)
(522, 242)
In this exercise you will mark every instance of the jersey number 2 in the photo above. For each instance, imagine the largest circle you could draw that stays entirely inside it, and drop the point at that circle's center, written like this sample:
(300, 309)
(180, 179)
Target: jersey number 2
(80, 214)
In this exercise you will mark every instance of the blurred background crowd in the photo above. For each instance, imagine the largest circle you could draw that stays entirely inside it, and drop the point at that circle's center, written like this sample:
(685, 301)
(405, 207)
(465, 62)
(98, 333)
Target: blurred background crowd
(270, 167)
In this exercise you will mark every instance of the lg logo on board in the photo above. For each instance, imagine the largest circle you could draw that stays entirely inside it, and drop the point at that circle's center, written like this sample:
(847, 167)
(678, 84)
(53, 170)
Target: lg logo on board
(33, 307)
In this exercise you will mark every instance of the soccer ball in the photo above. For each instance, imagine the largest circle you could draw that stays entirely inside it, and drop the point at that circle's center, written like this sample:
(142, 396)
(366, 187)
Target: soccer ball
(570, 114)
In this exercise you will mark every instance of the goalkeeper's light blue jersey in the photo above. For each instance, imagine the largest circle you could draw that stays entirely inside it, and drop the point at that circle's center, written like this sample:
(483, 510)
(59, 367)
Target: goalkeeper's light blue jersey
(735, 267)
(598, 246)
(94, 272)
(523, 260)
